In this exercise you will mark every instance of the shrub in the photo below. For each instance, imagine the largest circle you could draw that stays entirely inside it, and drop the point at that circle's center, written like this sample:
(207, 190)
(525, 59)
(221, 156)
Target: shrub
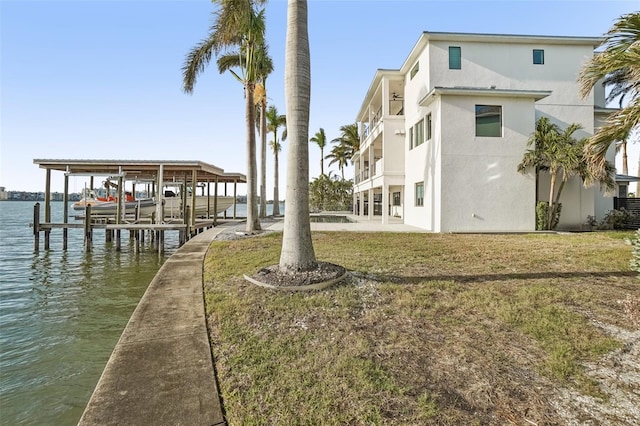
(616, 219)
(327, 194)
(542, 217)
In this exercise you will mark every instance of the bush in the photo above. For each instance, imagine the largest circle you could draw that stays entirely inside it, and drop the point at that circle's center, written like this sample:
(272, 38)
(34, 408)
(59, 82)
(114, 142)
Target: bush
(616, 219)
(326, 194)
(542, 217)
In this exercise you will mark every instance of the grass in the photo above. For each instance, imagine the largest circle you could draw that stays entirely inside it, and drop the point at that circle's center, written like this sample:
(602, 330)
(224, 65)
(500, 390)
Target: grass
(428, 329)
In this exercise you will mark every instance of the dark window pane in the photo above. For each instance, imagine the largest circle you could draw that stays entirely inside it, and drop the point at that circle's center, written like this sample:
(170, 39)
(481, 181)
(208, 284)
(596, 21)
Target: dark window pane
(538, 56)
(455, 58)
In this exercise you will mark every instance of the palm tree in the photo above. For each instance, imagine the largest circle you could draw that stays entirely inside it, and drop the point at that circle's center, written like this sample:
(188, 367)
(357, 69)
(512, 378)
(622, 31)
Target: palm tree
(561, 155)
(321, 139)
(274, 122)
(619, 66)
(350, 138)
(238, 24)
(348, 143)
(297, 253)
(265, 67)
(338, 155)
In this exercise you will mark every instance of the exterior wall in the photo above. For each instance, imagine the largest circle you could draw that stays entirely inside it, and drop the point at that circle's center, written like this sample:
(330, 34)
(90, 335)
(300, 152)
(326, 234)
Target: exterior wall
(482, 189)
(510, 66)
(393, 151)
(424, 164)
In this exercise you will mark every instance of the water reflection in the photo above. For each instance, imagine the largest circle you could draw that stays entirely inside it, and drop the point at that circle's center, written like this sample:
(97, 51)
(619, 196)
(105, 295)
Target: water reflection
(62, 313)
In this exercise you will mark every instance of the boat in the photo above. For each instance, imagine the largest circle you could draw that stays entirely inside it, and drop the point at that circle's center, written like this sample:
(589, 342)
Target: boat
(204, 204)
(108, 206)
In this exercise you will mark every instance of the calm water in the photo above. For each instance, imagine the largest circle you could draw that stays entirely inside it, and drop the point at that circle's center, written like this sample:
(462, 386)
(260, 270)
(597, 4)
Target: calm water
(61, 314)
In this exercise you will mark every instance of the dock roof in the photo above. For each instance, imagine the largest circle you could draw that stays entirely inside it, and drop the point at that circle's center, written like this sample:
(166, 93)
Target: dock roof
(143, 169)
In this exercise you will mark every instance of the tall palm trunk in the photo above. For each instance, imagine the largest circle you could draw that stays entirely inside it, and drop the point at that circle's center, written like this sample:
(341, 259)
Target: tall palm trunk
(253, 221)
(263, 154)
(297, 247)
(552, 188)
(276, 196)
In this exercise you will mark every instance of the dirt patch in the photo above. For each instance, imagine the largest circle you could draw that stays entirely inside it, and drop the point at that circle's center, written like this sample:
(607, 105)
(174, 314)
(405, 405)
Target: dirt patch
(618, 375)
(273, 276)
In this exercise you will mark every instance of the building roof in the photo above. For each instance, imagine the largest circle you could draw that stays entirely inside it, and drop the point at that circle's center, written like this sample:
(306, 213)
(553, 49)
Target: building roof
(142, 169)
(627, 178)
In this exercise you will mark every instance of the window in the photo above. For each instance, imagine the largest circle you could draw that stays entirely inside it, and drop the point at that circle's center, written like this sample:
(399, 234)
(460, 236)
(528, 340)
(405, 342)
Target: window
(415, 70)
(488, 120)
(455, 58)
(419, 194)
(418, 133)
(623, 190)
(428, 127)
(538, 56)
(410, 137)
(396, 198)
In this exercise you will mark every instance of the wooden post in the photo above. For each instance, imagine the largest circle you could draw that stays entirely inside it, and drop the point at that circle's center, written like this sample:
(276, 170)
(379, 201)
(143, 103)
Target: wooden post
(215, 203)
(36, 227)
(47, 208)
(65, 212)
(120, 197)
(225, 194)
(87, 228)
(137, 241)
(187, 227)
(209, 200)
(185, 217)
(235, 196)
(159, 195)
(118, 240)
(194, 183)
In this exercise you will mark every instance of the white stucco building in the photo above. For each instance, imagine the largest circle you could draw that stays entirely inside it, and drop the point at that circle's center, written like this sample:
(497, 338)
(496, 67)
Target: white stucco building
(442, 136)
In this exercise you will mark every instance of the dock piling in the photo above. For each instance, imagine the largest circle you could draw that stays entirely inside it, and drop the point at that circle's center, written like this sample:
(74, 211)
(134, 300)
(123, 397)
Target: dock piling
(36, 227)
(87, 228)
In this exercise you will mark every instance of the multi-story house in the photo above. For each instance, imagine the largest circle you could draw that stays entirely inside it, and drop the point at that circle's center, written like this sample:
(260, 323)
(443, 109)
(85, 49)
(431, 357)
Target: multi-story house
(441, 137)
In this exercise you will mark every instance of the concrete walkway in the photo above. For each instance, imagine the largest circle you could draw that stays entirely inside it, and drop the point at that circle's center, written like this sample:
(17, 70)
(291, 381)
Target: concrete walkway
(161, 370)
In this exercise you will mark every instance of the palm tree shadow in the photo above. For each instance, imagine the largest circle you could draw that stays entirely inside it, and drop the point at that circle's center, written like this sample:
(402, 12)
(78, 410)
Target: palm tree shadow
(480, 278)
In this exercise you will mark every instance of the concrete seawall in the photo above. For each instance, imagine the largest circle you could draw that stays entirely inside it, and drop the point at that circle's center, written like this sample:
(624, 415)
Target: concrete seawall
(161, 370)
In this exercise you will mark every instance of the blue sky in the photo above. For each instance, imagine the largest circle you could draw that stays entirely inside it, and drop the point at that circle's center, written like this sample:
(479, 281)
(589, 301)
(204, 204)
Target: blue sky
(102, 79)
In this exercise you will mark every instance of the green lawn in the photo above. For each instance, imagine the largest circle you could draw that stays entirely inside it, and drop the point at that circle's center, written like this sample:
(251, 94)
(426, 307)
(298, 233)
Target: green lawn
(427, 329)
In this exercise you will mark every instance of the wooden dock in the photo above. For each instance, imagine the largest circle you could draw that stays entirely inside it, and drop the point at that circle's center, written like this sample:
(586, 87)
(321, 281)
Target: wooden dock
(189, 174)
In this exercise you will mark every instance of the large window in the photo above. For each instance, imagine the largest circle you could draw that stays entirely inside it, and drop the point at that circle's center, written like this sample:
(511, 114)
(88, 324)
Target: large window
(489, 120)
(420, 194)
(538, 56)
(455, 58)
(415, 70)
(427, 129)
